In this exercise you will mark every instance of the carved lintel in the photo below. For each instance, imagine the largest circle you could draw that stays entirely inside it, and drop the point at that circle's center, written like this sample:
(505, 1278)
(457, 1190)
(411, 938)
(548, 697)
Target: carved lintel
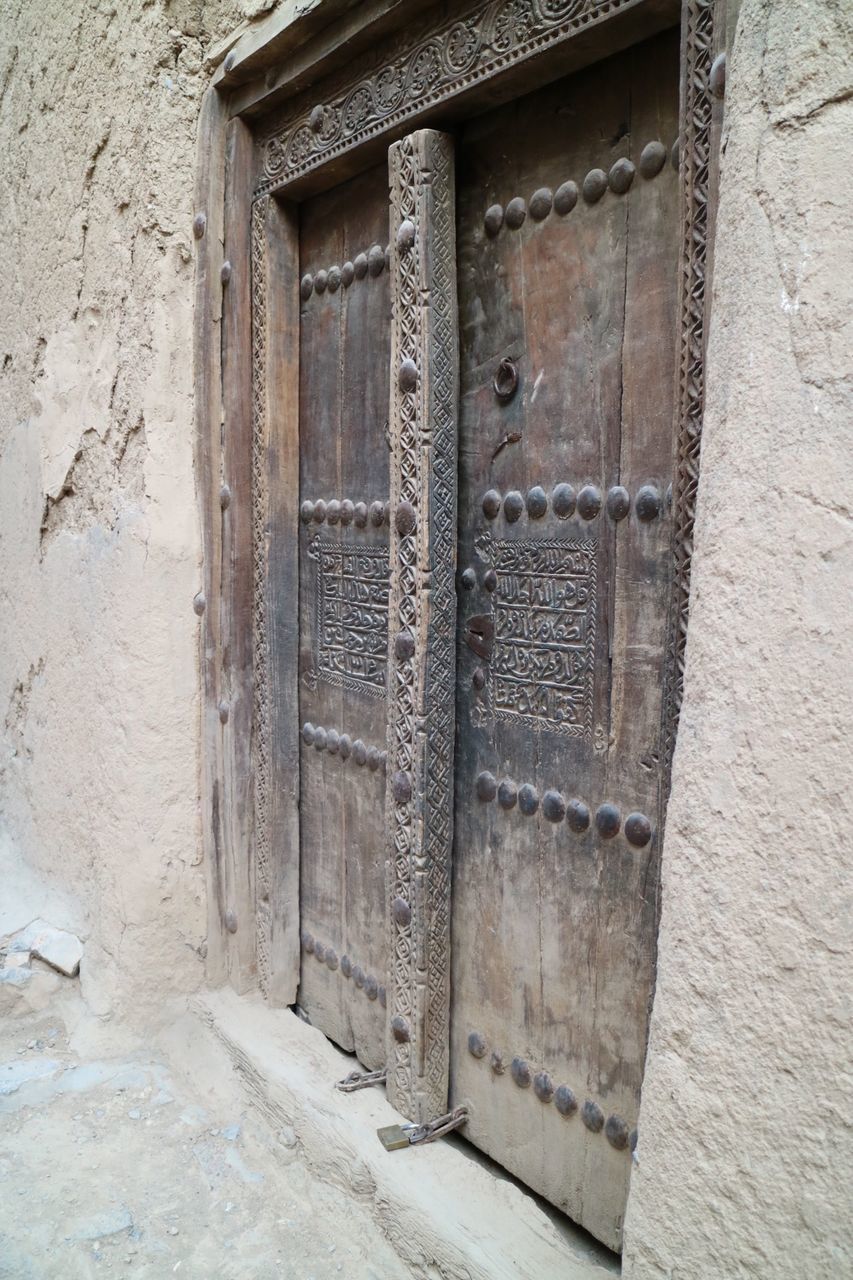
(421, 678)
(441, 57)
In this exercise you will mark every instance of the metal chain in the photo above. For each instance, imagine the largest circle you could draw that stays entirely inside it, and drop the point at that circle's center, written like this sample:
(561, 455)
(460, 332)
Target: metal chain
(361, 1080)
(436, 1128)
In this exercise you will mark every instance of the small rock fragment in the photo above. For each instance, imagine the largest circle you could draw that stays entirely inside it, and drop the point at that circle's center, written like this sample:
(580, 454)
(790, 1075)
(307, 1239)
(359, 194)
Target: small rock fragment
(57, 947)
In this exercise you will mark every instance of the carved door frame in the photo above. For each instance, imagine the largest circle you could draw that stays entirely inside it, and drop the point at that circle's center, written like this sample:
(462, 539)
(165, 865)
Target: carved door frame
(264, 143)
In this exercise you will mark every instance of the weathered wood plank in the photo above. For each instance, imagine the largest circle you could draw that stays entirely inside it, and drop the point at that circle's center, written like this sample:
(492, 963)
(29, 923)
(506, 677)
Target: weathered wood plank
(280, 56)
(235, 701)
(553, 947)
(209, 214)
(343, 396)
(275, 464)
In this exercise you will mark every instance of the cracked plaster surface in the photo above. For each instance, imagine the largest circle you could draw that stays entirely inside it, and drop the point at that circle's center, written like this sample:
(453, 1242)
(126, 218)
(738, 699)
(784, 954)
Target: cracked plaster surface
(99, 539)
(744, 1151)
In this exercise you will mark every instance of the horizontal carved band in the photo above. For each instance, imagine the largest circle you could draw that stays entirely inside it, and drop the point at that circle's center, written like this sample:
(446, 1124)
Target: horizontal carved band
(441, 57)
(565, 1100)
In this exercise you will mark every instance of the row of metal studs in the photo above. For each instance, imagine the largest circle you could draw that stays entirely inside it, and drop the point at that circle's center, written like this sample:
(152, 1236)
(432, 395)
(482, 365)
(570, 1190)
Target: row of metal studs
(615, 1128)
(341, 744)
(346, 511)
(372, 263)
(327, 955)
(555, 807)
(564, 502)
(593, 187)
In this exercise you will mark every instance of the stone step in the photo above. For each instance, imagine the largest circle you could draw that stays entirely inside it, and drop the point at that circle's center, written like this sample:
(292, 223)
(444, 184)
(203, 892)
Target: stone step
(446, 1212)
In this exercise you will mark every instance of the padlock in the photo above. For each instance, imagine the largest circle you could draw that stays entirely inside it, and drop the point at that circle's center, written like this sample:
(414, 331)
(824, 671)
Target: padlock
(393, 1137)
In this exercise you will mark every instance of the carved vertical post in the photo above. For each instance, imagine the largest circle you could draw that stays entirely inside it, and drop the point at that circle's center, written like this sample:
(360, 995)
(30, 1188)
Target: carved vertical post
(422, 614)
(701, 27)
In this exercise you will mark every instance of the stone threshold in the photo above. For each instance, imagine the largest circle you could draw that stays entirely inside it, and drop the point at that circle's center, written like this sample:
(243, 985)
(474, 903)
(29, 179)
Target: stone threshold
(446, 1213)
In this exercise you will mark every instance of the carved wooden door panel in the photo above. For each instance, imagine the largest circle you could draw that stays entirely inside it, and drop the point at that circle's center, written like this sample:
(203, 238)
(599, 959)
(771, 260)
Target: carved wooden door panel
(343, 609)
(567, 249)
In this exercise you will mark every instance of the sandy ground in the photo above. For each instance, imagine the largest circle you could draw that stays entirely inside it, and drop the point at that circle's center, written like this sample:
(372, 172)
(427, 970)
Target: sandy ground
(125, 1158)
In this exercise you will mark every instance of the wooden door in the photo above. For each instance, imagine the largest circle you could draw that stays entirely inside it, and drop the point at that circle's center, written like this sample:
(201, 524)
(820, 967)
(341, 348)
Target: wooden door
(343, 609)
(508, 900)
(567, 278)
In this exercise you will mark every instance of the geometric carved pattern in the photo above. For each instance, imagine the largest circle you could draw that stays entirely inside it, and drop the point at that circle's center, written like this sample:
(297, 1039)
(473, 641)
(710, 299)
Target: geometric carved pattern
(543, 660)
(422, 617)
(260, 639)
(352, 615)
(437, 60)
(695, 144)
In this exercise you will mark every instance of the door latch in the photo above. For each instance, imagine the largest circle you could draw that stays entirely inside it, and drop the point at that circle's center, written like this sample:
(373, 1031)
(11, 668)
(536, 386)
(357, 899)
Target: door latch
(505, 381)
(480, 635)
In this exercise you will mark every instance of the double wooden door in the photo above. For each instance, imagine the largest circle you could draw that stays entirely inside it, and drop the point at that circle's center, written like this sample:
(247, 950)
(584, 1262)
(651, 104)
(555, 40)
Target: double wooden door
(487, 385)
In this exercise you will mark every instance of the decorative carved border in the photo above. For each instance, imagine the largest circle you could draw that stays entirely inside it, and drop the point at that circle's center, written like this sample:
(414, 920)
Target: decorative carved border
(316, 549)
(422, 618)
(260, 641)
(695, 157)
(443, 57)
(483, 712)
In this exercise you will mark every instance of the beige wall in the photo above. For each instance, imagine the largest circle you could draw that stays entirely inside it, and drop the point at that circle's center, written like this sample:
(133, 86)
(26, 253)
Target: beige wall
(99, 537)
(745, 1166)
(741, 1168)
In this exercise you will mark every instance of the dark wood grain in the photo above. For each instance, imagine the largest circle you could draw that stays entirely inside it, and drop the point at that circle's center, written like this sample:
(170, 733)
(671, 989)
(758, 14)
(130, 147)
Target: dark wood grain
(343, 405)
(279, 914)
(554, 931)
(209, 201)
(236, 583)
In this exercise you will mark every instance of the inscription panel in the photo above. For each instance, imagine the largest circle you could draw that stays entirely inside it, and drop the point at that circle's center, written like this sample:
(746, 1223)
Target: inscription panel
(352, 615)
(543, 660)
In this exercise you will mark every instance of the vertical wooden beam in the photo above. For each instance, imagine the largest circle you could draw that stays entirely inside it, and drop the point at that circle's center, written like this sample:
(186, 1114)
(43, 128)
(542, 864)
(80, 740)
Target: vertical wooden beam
(422, 617)
(234, 701)
(275, 539)
(209, 234)
(246, 344)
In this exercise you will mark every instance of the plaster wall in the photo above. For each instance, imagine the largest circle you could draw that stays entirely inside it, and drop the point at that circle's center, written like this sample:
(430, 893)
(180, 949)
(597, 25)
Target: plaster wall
(99, 536)
(745, 1159)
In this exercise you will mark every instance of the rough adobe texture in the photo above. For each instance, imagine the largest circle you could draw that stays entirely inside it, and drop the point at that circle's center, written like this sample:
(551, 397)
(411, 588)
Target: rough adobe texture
(744, 1154)
(99, 538)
